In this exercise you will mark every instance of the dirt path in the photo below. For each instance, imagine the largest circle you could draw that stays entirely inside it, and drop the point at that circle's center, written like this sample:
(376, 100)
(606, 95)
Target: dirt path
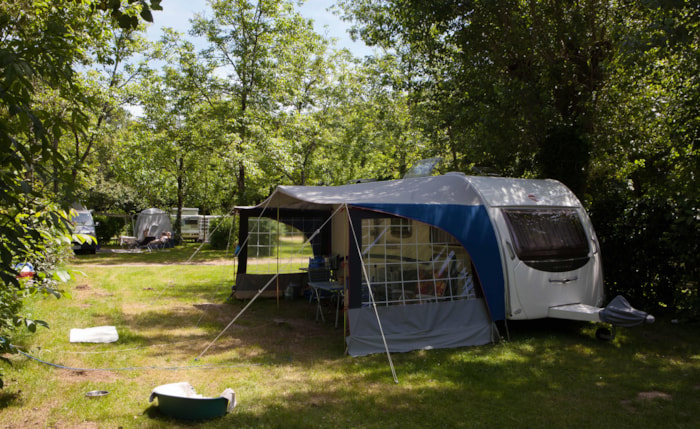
(155, 264)
(228, 262)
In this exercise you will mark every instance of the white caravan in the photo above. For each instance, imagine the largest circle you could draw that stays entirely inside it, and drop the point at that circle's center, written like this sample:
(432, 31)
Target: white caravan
(446, 256)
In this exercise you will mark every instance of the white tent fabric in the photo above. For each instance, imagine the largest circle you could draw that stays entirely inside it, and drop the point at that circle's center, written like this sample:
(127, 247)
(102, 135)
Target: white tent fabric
(450, 189)
(152, 223)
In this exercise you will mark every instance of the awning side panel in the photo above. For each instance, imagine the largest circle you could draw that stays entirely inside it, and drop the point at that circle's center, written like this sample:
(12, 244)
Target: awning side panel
(415, 327)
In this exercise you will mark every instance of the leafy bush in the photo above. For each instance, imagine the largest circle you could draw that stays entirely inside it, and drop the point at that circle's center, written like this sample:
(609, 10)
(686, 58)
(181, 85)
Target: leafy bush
(650, 250)
(223, 233)
(47, 246)
(108, 227)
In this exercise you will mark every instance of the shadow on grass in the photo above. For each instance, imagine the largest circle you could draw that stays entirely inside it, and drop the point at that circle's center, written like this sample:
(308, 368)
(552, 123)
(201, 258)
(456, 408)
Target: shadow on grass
(540, 378)
(177, 255)
(8, 398)
(264, 333)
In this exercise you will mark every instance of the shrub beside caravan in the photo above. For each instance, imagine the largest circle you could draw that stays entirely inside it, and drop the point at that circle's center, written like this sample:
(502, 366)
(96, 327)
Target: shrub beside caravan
(437, 260)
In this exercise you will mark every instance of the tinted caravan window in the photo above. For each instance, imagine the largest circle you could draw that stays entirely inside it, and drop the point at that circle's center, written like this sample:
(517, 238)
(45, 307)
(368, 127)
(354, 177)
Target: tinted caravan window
(548, 239)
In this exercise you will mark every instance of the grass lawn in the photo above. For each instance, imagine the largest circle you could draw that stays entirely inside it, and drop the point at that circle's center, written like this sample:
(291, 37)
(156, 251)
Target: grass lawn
(290, 372)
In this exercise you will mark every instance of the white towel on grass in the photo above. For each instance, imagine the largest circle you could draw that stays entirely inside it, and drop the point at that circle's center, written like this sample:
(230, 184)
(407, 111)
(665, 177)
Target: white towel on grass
(98, 334)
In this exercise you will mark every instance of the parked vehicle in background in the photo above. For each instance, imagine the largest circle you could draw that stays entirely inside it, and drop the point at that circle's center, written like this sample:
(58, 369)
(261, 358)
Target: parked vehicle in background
(194, 227)
(190, 227)
(84, 238)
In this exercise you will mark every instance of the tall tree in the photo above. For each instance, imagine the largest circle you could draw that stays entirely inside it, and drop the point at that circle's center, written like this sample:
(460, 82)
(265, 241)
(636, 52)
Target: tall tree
(250, 41)
(174, 102)
(509, 83)
(106, 88)
(646, 175)
(41, 44)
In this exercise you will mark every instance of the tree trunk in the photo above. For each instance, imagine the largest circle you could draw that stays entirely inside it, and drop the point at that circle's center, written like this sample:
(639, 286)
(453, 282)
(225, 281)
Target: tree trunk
(177, 234)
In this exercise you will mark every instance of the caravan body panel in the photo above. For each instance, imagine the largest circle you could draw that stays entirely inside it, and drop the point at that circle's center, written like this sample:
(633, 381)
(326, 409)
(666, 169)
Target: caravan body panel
(548, 247)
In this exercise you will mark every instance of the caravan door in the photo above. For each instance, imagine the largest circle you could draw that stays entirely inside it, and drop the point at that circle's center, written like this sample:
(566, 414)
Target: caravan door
(551, 259)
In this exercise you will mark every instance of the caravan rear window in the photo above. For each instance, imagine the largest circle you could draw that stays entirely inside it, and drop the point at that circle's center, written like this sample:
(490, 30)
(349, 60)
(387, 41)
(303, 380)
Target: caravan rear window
(542, 237)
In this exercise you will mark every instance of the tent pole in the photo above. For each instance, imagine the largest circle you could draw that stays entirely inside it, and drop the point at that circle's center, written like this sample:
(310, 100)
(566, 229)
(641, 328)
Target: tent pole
(266, 284)
(371, 297)
(278, 258)
(346, 276)
(237, 316)
(235, 254)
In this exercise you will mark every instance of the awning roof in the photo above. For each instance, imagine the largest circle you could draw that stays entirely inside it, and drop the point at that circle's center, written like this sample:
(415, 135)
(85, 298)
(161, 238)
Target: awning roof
(450, 189)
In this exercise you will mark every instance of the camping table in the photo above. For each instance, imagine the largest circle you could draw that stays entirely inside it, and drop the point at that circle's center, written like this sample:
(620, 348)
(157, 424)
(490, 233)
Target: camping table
(333, 287)
(126, 240)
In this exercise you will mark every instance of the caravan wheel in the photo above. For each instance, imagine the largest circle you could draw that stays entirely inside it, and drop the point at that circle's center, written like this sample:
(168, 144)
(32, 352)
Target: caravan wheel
(604, 334)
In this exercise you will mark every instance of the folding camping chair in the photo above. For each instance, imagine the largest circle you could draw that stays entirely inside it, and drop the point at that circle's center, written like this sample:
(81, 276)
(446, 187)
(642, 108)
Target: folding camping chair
(147, 238)
(165, 241)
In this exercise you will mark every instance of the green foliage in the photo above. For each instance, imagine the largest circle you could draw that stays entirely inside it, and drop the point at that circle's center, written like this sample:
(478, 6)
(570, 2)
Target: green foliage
(42, 43)
(223, 233)
(646, 189)
(108, 227)
(495, 104)
(129, 17)
(46, 247)
(263, 46)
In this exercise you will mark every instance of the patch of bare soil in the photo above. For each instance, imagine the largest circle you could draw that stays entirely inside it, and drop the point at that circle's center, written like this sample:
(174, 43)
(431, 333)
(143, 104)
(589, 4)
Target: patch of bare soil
(648, 396)
(629, 405)
(92, 376)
